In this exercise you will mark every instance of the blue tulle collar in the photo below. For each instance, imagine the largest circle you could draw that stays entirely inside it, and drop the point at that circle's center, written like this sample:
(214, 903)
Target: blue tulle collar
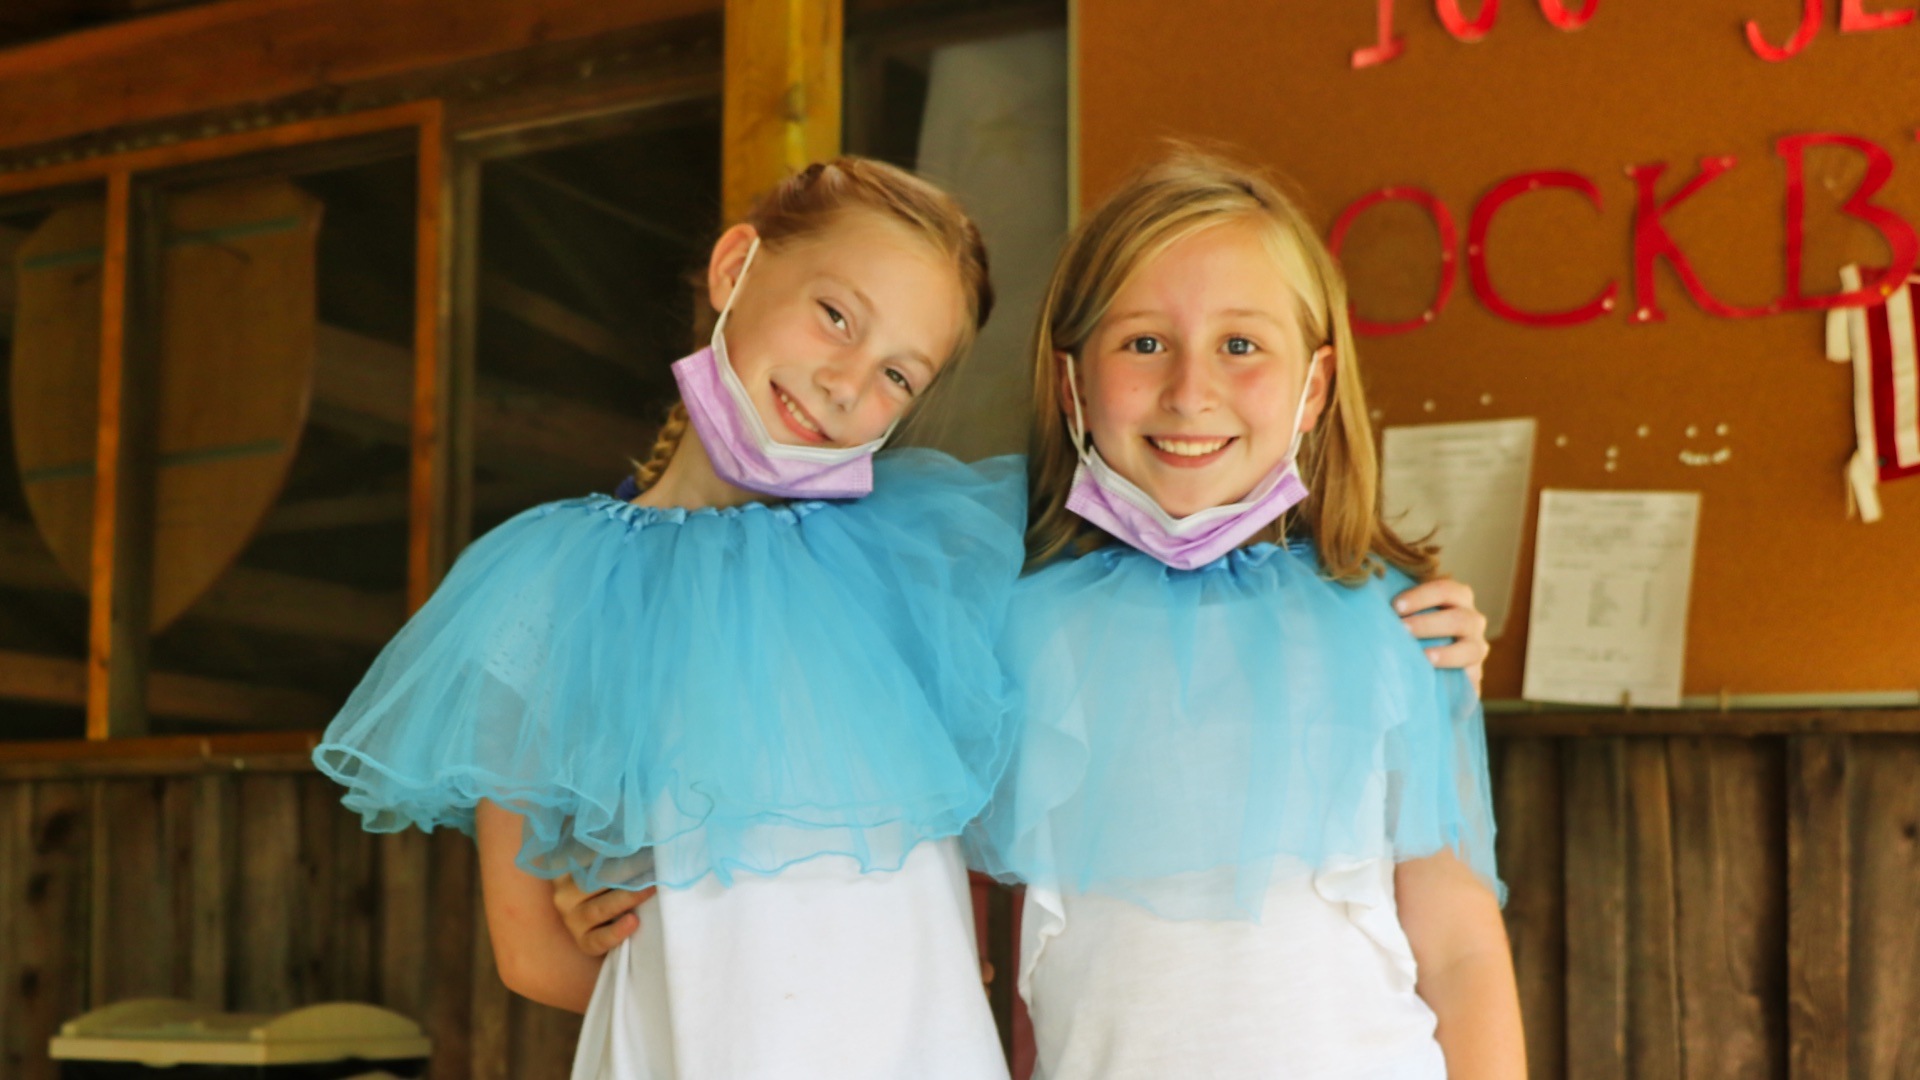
(1239, 560)
(638, 517)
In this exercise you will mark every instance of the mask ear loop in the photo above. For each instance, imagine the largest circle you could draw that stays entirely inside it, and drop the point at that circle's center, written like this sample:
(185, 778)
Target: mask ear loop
(1300, 410)
(1079, 421)
(727, 308)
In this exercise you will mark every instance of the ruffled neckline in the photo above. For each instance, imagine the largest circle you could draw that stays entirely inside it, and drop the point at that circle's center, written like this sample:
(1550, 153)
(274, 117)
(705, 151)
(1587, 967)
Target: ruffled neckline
(789, 513)
(1251, 557)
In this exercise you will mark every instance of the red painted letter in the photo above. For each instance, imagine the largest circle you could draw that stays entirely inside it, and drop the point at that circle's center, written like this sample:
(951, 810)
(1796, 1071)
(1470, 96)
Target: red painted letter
(1442, 222)
(1557, 13)
(1856, 20)
(1810, 16)
(1902, 243)
(1651, 243)
(1460, 26)
(1387, 44)
(1477, 250)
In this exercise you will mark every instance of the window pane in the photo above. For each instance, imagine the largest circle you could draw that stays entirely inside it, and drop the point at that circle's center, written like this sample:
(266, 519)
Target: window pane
(283, 323)
(50, 261)
(976, 101)
(585, 300)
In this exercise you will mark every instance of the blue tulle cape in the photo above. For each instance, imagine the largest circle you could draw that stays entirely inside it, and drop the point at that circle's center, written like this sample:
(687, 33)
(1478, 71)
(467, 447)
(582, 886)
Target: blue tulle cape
(1189, 735)
(665, 694)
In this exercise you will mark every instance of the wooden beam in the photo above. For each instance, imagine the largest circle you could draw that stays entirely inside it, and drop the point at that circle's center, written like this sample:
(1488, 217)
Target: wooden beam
(219, 147)
(259, 599)
(782, 97)
(517, 429)
(302, 607)
(556, 320)
(56, 680)
(1755, 723)
(157, 67)
(276, 751)
(659, 230)
(124, 466)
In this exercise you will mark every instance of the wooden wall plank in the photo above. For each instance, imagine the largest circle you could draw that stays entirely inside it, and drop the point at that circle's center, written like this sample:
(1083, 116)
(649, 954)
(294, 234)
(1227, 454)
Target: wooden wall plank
(310, 926)
(215, 882)
(453, 890)
(1730, 893)
(1596, 907)
(1884, 987)
(1531, 843)
(50, 925)
(355, 897)
(1653, 985)
(16, 847)
(135, 892)
(1818, 908)
(403, 955)
(266, 975)
(492, 1006)
(543, 1041)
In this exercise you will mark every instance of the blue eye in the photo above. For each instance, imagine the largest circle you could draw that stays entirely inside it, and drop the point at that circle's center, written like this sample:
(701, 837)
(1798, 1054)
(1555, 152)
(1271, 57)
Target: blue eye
(900, 380)
(1239, 346)
(1144, 345)
(839, 321)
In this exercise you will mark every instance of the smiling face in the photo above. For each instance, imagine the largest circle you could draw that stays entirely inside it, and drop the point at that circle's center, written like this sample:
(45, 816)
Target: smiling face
(834, 335)
(1191, 380)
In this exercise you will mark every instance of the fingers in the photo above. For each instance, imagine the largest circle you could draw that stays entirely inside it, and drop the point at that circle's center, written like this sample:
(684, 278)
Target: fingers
(601, 940)
(1460, 654)
(600, 920)
(1438, 593)
(610, 904)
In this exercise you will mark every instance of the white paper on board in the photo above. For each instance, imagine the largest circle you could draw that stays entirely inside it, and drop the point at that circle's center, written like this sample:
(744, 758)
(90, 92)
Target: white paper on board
(1467, 485)
(1612, 571)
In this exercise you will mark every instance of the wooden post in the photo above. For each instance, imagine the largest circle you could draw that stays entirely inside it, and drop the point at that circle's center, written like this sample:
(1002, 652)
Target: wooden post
(122, 565)
(782, 96)
(430, 517)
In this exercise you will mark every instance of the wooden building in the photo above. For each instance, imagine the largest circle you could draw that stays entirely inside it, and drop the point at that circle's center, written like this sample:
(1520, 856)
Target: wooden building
(410, 265)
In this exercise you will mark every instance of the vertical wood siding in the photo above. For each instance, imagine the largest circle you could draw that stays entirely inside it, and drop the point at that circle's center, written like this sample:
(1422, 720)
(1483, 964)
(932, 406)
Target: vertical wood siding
(1682, 906)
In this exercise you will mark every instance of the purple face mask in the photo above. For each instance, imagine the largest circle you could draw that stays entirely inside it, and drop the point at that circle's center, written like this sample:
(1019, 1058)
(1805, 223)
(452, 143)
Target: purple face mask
(736, 439)
(1105, 498)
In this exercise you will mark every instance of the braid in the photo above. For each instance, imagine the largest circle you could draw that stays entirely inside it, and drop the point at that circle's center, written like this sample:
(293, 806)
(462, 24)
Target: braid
(647, 473)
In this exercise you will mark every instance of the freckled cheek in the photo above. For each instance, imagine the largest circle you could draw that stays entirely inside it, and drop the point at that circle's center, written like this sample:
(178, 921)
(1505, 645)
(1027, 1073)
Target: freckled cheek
(1120, 404)
(1260, 399)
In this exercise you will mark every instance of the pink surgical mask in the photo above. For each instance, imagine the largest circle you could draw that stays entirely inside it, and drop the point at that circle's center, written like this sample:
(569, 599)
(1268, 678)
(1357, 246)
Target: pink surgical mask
(1105, 498)
(736, 439)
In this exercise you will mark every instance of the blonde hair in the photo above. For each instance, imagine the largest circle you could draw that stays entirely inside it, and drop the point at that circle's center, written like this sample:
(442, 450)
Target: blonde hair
(810, 202)
(1186, 192)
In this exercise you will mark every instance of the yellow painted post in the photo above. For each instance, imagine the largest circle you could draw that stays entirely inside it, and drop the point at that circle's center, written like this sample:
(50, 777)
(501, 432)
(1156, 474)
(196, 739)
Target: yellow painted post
(782, 96)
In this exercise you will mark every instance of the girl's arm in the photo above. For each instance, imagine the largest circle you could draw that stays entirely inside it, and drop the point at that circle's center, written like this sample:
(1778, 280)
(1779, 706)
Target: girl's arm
(532, 946)
(1466, 970)
(1443, 608)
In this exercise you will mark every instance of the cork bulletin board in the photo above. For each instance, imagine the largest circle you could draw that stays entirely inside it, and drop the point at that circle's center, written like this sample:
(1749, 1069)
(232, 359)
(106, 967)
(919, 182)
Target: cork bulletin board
(1722, 388)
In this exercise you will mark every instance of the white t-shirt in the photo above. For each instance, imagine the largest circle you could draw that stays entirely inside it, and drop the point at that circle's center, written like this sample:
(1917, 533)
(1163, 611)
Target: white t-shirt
(1321, 987)
(819, 971)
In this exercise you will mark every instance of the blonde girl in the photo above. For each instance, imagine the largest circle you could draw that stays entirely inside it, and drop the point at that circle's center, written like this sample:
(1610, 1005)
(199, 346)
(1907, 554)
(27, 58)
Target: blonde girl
(755, 685)
(1252, 818)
